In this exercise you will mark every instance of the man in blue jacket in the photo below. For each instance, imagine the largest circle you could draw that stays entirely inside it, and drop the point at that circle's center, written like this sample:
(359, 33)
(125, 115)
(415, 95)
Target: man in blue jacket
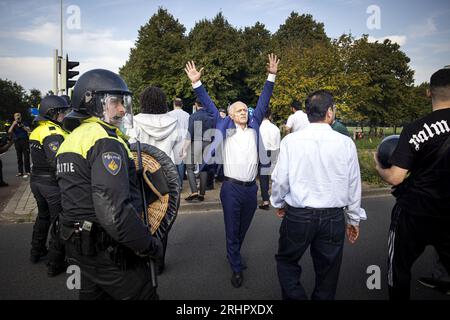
(238, 141)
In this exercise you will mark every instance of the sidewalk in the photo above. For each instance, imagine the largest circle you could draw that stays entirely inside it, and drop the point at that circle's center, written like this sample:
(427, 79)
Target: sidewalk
(22, 208)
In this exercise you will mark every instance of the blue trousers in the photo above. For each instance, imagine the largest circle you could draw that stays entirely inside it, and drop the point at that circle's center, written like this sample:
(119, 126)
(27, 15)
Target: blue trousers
(239, 205)
(323, 230)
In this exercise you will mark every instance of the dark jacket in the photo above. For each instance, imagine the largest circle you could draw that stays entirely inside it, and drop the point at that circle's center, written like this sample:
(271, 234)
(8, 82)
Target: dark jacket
(97, 178)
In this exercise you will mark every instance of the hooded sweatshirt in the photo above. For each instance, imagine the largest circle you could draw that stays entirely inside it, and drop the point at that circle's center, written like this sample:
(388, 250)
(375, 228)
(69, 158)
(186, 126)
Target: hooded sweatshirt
(158, 130)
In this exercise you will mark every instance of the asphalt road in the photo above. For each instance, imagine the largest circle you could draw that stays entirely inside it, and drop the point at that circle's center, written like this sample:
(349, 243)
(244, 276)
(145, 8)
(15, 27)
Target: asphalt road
(9, 160)
(197, 266)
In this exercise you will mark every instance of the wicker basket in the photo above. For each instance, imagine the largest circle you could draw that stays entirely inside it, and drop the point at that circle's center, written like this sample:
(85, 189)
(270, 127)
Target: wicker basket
(157, 209)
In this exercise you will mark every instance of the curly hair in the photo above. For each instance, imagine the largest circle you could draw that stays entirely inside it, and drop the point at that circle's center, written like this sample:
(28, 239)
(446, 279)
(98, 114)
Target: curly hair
(153, 101)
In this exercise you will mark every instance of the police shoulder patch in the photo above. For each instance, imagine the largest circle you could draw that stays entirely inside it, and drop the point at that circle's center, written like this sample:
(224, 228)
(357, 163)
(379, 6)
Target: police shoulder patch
(112, 162)
(54, 146)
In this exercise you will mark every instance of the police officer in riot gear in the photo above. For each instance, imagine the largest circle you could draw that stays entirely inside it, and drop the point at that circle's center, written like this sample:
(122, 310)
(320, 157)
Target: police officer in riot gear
(45, 141)
(101, 220)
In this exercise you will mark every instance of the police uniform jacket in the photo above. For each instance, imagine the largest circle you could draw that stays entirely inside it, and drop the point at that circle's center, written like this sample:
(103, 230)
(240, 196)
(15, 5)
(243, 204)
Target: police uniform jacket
(98, 182)
(45, 141)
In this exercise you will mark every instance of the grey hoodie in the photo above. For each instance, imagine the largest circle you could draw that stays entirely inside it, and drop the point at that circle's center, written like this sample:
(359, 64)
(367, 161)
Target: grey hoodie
(158, 130)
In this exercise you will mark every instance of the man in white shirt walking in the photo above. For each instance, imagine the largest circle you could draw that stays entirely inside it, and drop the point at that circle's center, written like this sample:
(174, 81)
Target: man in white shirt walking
(316, 180)
(182, 127)
(239, 136)
(298, 120)
(271, 137)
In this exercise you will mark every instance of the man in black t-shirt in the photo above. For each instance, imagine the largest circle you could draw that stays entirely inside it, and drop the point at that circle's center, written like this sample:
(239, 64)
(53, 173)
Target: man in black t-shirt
(421, 215)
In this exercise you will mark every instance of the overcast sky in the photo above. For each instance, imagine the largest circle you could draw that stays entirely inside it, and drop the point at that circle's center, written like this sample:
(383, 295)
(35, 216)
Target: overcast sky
(104, 31)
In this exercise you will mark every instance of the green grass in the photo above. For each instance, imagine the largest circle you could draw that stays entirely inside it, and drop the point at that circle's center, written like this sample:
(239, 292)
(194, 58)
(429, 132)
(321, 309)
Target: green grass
(368, 143)
(366, 147)
(367, 166)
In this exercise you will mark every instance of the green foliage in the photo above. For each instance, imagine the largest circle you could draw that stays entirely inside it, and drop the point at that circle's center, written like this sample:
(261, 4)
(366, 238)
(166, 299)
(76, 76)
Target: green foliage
(371, 82)
(217, 46)
(13, 99)
(390, 80)
(156, 59)
(34, 98)
(299, 32)
(256, 45)
(367, 167)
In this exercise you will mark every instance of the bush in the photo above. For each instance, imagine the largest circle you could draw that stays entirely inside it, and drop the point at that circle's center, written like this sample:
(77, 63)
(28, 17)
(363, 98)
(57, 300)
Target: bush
(367, 166)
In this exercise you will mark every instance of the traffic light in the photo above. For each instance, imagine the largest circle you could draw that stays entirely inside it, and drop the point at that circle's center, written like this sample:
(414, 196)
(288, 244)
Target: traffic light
(67, 73)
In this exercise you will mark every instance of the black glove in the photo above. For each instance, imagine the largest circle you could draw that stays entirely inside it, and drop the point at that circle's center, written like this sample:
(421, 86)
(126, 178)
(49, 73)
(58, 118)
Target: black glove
(155, 251)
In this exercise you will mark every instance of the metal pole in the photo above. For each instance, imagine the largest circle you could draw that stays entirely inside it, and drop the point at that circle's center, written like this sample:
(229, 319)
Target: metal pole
(62, 52)
(55, 71)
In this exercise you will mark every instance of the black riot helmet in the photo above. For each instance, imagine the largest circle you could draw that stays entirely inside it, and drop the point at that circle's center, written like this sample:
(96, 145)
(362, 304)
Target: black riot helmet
(67, 98)
(92, 91)
(50, 107)
(92, 87)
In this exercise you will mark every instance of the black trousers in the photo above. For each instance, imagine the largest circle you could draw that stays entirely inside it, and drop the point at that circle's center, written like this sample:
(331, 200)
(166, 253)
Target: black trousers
(48, 199)
(102, 279)
(264, 182)
(22, 147)
(408, 237)
(323, 231)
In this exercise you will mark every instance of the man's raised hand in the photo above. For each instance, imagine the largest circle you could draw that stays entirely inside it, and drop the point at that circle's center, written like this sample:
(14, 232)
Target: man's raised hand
(272, 65)
(192, 72)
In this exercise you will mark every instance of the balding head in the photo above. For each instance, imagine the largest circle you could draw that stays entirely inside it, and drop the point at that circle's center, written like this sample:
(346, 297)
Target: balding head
(238, 112)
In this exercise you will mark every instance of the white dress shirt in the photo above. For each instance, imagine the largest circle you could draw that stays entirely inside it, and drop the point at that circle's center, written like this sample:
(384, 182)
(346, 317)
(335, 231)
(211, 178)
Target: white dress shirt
(182, 128)
(318, 168)
(270, 135)
(240, 155)
(297, 121)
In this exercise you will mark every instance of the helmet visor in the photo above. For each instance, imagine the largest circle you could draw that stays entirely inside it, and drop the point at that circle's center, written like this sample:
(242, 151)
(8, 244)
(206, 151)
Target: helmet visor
(115, 107)
(61, 113)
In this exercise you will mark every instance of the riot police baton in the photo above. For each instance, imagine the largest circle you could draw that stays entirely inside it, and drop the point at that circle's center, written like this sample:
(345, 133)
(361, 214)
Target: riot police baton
(144, 203)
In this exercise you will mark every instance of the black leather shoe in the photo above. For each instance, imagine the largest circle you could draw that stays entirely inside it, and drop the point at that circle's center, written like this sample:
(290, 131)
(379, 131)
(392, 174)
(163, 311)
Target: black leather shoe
(236, 279)
(201, 197)
(193, 196)
(439, 285)
(264, 207)
(35, 257)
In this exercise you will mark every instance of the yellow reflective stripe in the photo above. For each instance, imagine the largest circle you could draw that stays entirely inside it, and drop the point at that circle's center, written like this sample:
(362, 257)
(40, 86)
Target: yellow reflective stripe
(84, 137)
(43, 131)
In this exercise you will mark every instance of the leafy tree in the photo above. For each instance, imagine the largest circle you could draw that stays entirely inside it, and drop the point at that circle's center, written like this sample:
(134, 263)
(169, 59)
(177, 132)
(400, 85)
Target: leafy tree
(300, 31)
(157, 57)
(34, 98)
(217, 46)
(390, 78)
(417, 102)
(13, 99)
(256, 45)
(323, 66)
